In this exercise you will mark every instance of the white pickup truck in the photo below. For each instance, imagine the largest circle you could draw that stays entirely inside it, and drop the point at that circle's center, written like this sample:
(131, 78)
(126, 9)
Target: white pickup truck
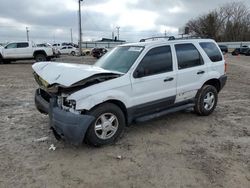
(24, 50)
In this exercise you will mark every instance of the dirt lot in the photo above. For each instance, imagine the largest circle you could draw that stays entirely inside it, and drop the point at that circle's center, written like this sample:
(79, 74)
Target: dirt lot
(179, 150)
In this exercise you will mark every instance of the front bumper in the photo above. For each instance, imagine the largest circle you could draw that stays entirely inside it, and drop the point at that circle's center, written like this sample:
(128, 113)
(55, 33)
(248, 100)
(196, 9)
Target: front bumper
(69, 126)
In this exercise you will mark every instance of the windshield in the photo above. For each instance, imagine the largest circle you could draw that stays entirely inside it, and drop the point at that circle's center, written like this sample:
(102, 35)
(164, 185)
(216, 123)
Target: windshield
(120, 58)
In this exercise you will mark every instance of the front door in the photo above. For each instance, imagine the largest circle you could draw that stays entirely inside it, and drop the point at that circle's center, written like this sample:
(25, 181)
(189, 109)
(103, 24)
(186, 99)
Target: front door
(154, 82)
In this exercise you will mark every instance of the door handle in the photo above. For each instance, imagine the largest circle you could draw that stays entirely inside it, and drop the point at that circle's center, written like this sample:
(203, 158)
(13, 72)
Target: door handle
(201, 72)
(168, 79)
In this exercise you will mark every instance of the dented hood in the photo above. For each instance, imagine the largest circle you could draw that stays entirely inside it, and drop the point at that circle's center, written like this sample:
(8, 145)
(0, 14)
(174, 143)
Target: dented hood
(66, 74)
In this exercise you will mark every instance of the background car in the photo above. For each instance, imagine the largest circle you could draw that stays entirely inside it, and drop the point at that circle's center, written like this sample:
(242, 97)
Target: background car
(68, 50)
(223, 48)
(241, 50)
(248, 52)
(55, 50)
(98, 52)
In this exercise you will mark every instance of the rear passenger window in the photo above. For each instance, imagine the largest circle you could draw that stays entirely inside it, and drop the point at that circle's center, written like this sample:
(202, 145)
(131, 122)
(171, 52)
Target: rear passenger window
(212, 51)
(157, 60)
(22, 45)
(188, 56)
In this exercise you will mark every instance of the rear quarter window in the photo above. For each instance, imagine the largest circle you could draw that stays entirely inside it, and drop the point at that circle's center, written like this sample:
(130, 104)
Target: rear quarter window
(212, 51)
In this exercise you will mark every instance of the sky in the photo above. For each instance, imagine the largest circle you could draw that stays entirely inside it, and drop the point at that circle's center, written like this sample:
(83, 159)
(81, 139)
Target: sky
(52, 20)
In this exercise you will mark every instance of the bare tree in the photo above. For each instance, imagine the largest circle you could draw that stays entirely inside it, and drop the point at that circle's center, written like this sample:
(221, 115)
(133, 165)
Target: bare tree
(230, 22)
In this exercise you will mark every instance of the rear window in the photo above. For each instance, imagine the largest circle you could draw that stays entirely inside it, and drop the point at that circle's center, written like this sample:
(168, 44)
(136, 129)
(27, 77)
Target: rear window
(212, 51)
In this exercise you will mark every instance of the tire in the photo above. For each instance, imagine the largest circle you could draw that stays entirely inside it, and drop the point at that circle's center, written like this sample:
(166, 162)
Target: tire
(206, 100)
(96, 134)
(40, 57)
(1, 60)
(73, 53)
(6, 61)
(235, 53)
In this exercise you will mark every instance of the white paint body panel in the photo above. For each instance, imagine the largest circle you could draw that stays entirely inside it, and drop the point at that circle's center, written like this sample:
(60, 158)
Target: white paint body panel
(24, 52)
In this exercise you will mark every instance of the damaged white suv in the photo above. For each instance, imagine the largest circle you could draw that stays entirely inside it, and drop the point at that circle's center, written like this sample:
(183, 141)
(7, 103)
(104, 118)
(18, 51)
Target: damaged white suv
(132, 83)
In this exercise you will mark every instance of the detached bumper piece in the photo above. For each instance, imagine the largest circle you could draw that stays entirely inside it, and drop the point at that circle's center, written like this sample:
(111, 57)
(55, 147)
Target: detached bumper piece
(66, 125)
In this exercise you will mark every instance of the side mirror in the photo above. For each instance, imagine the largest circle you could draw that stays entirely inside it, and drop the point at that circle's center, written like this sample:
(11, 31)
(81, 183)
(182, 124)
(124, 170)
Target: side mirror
(140, 72)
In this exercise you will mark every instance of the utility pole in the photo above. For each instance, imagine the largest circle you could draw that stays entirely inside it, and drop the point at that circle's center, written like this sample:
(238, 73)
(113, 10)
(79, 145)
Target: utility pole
(71, 35)
(113, 35)
(80, 28)
(118, 32)
(165, 33)
(27, 33)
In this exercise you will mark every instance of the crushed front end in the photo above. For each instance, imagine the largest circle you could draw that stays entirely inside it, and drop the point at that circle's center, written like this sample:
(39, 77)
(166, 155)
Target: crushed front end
(65, 121)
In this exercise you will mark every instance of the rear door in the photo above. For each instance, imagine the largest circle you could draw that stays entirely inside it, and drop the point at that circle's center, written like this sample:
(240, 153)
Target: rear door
(192, 71)
(154, 81)
(23, 50)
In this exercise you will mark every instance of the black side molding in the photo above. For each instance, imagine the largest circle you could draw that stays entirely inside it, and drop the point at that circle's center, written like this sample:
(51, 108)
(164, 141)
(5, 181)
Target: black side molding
(223, 80)
(159, 114)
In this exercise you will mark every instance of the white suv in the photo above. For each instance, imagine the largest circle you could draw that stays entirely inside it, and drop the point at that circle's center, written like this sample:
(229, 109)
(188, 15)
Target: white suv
(132, 83)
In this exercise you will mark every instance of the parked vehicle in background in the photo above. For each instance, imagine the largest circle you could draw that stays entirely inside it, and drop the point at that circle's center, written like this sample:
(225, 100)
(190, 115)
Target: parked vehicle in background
(68, 50)
(223, 48)
(241, 50)
(24, 50)
(60, 45)
(98, 52)
(248, 52)
(55, 50)
(133, 83)
(86, 52)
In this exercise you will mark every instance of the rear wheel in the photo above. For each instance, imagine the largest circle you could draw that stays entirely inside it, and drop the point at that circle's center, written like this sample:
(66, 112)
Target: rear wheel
(6, 61)
(1, 60)
(73, 53)
(206, 100)
(40, 57)
(108, 125)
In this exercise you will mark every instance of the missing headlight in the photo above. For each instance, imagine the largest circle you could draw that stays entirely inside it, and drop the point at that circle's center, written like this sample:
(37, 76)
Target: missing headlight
(69, 103)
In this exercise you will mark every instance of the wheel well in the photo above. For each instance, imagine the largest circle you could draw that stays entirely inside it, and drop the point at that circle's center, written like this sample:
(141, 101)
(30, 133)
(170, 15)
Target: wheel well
(215, 83)
(118, 103)
(39, 52)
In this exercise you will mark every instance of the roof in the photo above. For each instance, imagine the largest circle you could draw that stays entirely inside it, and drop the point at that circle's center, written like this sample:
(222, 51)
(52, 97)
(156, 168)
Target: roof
(162, 42)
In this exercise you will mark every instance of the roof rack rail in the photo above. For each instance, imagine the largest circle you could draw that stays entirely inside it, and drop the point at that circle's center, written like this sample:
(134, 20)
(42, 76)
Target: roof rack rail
(170, 38)
(160, 37)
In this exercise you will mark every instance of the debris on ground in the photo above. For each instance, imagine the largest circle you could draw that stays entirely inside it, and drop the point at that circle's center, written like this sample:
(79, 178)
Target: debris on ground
(43, 139)
(52, 147)
(119, 157)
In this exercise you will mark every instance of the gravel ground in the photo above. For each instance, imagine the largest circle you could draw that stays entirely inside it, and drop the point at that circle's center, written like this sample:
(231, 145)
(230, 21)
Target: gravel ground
(178, 150)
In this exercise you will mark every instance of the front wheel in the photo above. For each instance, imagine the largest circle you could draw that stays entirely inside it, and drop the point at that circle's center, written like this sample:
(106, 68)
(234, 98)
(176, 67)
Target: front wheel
(108, 125)
(206, 100)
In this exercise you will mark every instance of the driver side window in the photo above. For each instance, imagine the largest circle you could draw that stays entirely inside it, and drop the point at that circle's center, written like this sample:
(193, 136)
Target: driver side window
(12, 45)
(157, 60)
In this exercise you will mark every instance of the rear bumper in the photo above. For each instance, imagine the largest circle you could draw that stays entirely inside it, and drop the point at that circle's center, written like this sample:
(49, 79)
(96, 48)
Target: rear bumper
(223, 80)
(69, 126)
